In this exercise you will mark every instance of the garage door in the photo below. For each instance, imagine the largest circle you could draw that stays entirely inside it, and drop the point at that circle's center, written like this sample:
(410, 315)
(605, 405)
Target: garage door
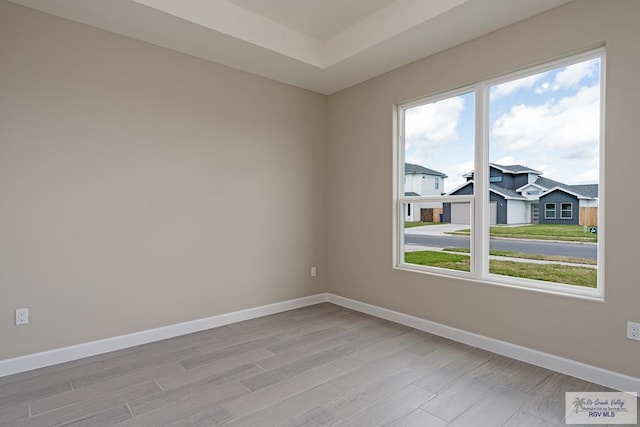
(460, 213)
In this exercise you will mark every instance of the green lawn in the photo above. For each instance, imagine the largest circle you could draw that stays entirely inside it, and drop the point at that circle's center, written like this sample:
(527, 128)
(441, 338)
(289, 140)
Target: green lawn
(438, 259)
(571, 233)
(580, 276)
(556, 258)
(411, 224)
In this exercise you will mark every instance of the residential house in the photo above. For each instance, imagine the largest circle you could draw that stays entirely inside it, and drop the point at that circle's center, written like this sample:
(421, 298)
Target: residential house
(521, 195)
(421, 181)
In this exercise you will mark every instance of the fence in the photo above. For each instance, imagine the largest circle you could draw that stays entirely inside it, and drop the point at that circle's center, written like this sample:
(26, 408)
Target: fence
(430, 214)
(589, 216)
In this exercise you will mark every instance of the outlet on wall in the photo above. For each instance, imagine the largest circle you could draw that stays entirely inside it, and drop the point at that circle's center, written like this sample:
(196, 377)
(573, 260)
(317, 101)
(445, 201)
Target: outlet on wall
(22, 316)
(314, 272)
(633, 331)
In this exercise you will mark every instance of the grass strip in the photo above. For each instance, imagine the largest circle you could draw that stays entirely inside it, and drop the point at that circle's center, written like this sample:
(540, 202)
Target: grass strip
(569, 233)
(411, 224)
(556, 273)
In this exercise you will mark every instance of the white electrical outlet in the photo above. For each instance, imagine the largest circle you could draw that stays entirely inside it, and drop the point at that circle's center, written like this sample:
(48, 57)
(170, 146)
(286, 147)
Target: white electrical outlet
(314, 272)
(633, 331)
(22, 316)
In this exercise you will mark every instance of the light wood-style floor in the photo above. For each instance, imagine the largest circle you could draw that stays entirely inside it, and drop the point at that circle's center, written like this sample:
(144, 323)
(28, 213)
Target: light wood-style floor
(316, 366)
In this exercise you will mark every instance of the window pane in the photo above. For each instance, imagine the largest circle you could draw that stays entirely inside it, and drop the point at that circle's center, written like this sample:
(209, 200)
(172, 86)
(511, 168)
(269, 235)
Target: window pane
(550, 210)
(433, 243)
(438, 154)
(544, 143)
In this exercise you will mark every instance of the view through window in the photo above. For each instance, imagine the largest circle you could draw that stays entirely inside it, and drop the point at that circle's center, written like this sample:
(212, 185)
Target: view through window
(537, 165)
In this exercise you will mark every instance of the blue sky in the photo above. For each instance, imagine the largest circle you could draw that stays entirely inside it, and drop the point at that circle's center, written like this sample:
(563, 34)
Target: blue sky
(547, 121)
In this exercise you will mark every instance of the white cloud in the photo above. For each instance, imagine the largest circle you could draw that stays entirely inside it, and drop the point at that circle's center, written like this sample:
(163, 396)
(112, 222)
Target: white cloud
(506, 161)
(430, 127)
(568, 122)
(432, 139)
(543, 88)
(455, 176)
(569, 77)
(559, 138)
(573, 74)
(434, 123)
(464, 168)
(508, 88)
(589, 176)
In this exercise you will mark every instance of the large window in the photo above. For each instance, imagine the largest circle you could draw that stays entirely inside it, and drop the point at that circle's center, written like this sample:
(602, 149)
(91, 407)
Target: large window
(505, 147)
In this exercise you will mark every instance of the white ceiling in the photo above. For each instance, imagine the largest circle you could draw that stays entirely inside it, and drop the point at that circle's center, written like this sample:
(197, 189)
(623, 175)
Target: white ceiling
(320, 45)
(317, 19)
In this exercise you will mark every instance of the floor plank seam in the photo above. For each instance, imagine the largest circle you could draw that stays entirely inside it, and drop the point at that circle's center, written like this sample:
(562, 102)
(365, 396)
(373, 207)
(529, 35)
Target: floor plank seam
(328, 365)
(130, 411)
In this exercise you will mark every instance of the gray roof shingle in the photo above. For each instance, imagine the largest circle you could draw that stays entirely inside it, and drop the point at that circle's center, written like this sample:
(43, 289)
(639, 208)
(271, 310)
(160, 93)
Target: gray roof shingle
(411, 168)
(585, 190)
(516, 169)
(506, 192)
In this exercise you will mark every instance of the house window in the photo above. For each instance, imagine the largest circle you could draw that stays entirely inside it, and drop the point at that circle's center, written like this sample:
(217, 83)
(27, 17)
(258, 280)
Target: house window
(549, 211)
(436, 183)
(511, 123)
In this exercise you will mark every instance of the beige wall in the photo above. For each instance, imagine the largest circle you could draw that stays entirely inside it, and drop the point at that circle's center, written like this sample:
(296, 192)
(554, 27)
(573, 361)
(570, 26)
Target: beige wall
(140, 187)
(128, 177)
(360, 173)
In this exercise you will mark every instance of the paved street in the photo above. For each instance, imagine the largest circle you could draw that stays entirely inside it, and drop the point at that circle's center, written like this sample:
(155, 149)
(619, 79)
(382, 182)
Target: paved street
(436, 238)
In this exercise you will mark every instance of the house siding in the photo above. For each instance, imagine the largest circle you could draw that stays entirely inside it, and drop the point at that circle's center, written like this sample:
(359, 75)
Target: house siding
(520, 180)
(507, 180)
(559, 197)
(467, 190)
(423, 184)
(501, 206)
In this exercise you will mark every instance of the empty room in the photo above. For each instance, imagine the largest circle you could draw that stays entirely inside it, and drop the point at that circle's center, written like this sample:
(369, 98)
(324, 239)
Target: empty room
(319, 212)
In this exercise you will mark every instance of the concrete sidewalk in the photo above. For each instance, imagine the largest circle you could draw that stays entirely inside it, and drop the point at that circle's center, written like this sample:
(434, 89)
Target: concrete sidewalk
(415, 248)
(436, 230)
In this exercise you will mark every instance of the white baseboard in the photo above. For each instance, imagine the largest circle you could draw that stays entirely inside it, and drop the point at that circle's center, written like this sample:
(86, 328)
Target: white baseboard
(66, 354)
(545, 360)
(559, 364)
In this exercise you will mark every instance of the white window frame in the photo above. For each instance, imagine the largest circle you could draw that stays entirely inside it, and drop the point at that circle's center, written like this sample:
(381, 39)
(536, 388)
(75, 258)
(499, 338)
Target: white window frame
(480, 206)
(546, 210)
(562, 210)
(436, 182)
